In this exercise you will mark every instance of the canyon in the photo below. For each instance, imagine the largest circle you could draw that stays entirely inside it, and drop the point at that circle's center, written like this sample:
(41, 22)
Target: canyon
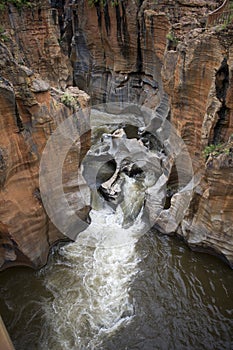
(131, 51)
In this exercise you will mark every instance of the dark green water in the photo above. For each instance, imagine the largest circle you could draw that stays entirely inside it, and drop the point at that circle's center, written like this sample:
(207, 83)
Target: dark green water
(181, 300)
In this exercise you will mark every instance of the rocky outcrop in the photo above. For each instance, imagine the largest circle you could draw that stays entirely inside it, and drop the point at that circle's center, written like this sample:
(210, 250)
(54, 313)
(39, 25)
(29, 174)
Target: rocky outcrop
(208, 224)
(118, 49)
(199, 86)
(32, 35)
(117, 52)
(30, 110)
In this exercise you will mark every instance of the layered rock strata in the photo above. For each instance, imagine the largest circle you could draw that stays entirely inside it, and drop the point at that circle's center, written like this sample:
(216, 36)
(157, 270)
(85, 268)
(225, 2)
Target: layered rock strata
(199, 84)
(30, 110)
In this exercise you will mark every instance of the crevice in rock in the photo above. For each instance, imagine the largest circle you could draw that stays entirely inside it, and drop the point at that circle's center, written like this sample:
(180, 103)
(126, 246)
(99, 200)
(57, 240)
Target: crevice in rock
(68, 35)
(47, 231)
(107, 18)
(3, 167)
(75, 21)
(221, 86)
(133, 171)
(167, 204)
(59, 6)
(139, 49)
(172, 186)
(37, 195)
(19, 122)
(194, 204)
(98, 12)
(122, 29)
(221, 125)
(222, 81)
(183, 53)
(118, 22)
(40, 15)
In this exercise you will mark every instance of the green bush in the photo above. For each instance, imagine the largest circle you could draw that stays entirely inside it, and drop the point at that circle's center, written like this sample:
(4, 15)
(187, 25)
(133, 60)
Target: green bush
(69, 100)
(3, 36)
(17, 3)
(212, 149)
(217, 149)
(172, 39)
(103, 2)
(226, 22)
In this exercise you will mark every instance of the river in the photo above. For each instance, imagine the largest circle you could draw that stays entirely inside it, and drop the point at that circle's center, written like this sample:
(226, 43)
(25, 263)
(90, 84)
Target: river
(121, 285)
(158, 295)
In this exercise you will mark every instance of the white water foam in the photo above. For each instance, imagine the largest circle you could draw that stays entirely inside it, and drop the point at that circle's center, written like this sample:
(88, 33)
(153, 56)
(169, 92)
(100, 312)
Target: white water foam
(90, 281)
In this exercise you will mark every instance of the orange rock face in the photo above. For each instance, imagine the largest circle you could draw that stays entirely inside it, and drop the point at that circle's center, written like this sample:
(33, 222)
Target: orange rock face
(35, 32)
(30, 111)
(199, 84)
(26, 231)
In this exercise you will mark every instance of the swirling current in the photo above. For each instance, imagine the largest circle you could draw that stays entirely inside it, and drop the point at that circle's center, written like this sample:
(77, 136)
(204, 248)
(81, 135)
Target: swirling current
(158, 295)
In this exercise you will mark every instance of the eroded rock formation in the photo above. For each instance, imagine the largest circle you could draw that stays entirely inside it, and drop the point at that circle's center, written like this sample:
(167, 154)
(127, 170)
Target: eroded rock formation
(199, 86)
(30, 110)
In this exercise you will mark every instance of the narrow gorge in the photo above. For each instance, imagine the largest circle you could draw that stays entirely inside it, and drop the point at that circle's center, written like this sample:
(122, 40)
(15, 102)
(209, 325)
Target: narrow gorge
(117, 134)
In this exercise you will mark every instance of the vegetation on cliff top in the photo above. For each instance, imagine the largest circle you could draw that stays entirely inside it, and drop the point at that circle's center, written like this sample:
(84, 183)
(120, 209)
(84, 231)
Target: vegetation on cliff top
(103, 2)
(18, 3)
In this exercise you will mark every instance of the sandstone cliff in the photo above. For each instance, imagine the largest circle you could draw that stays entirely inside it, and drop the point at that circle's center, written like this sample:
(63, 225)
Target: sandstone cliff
(200, 89)
(33, 70)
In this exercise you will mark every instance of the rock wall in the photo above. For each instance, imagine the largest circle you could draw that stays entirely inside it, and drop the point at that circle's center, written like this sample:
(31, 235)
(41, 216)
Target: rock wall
(200, 89)
(136, 51)
(32, 71)
(116, 53)
(117, 50)
(32, 35)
